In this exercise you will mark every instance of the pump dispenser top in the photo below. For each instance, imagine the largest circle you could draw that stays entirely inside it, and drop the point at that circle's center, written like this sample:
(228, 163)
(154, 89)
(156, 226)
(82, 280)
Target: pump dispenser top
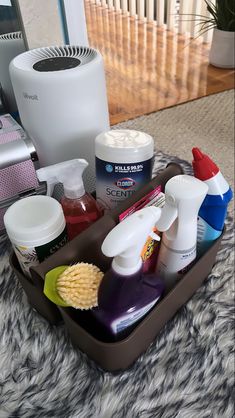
(80, 208)
(126, 294)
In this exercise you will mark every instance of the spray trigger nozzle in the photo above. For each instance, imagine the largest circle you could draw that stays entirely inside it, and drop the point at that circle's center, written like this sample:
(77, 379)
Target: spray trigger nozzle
(127, 239)
(69, 173)
(154, 236)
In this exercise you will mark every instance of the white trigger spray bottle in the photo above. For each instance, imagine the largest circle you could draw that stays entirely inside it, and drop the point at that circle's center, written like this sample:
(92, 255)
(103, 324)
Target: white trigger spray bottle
(80, 208)
(126, 294)
(183, 197)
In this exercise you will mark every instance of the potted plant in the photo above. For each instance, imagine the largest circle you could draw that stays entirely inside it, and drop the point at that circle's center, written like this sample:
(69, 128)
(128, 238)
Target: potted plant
(222, 20)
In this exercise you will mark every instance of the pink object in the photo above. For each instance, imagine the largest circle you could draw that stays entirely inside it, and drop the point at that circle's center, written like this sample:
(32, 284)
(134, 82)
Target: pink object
(18, 178)
(7, 122)
(80, 213)
(140, 204)
(9, 137)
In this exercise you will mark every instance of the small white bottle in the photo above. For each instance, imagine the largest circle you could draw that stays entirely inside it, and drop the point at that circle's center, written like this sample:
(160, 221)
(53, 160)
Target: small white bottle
(124, 160)
(183, 197)
(36, 228)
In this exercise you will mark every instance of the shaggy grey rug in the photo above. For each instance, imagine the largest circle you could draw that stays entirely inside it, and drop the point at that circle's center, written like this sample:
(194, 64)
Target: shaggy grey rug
(187, 372)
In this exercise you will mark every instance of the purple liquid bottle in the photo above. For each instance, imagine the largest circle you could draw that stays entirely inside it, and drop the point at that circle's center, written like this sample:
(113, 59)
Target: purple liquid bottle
(126, 294)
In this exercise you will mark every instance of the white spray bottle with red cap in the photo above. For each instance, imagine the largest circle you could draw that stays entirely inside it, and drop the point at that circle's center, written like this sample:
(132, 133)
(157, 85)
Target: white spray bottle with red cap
(183, 197)
(213, 211)
(80, 208)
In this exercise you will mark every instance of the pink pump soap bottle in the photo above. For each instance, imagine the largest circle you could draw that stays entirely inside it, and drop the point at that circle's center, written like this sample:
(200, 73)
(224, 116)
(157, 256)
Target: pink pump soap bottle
(126, 294)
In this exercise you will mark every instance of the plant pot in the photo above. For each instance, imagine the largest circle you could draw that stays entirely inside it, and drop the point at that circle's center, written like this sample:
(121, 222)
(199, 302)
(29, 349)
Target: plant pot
(222, 49)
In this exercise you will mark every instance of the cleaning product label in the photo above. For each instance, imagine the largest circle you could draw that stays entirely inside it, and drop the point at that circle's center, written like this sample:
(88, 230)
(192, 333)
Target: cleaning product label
(172, 264)
(116, 182)
(32, 256)
(205, 235)
(205, 231)
(126, 320)
(149, 252)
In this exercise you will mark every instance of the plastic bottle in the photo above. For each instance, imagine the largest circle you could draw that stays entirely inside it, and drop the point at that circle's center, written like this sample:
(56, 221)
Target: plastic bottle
(183, 197)
(213, 211)
(126, 294)
(36, 227)
(80, 208)
(124, 160)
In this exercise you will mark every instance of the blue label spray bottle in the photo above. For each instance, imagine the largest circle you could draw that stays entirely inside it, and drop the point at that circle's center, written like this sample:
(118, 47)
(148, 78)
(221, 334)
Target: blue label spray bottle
(213, 210)
(126, 294)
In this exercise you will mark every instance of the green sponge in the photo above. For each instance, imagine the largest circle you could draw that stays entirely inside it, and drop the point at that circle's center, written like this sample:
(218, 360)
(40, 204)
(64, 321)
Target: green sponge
(50, 289)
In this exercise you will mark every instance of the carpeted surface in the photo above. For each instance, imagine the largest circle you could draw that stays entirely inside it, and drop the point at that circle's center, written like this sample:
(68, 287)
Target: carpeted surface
(187, 372)
(207, 123)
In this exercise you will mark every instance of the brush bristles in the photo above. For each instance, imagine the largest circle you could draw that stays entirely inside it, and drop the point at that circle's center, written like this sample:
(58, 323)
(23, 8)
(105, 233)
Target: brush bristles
(78, 285)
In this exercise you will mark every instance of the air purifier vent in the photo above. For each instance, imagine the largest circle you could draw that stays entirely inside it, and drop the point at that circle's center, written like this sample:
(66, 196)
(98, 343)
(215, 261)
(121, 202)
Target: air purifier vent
(56, 58)
(10, 36)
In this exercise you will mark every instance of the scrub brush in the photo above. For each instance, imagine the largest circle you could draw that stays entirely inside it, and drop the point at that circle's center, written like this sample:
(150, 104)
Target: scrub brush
(75, 286)
(78, 285)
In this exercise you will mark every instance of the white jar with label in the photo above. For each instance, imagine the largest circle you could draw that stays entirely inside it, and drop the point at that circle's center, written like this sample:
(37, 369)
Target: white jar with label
(36, 227)
(124, 162)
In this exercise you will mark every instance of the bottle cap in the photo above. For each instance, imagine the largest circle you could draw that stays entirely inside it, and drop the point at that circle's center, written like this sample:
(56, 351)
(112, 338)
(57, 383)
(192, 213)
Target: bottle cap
(34, 221)
(124, 146)
(204, 168)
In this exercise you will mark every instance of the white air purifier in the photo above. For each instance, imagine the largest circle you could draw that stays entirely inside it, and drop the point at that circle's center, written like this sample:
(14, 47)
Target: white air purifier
(61, 96)
(11, 45)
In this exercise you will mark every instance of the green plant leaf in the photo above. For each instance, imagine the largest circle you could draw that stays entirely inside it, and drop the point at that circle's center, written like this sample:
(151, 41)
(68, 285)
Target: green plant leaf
(222, 14)
(50, 289)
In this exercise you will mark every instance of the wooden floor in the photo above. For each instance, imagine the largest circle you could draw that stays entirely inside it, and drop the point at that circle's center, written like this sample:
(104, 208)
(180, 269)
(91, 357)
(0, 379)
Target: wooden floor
(149, 68)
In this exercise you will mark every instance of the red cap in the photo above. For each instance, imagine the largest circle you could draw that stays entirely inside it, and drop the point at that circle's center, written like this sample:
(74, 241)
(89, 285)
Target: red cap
(204, 168)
